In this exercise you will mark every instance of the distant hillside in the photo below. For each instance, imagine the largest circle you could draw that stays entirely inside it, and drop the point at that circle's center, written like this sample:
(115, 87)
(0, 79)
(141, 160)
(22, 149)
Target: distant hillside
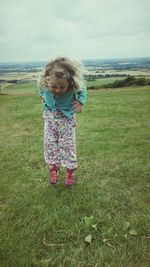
(21, 67)
(118, 64)
(106, 64)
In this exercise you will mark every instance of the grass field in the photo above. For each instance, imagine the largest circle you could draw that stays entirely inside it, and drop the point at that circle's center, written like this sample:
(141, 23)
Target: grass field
(103, 220)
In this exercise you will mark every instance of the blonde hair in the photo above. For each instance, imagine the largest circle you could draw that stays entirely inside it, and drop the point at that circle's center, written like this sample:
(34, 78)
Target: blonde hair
(62, 67)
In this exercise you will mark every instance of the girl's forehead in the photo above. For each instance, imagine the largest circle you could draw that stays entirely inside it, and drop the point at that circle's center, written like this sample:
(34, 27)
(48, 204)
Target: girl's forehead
(59, 81)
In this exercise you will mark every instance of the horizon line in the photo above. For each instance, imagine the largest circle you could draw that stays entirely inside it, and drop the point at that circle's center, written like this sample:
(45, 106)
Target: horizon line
(85, 59)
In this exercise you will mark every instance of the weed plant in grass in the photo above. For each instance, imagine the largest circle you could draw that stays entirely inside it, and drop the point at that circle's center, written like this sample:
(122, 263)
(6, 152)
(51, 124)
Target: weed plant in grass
(103, 220)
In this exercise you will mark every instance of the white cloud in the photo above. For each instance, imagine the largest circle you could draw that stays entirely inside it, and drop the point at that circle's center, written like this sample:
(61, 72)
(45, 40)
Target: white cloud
(38, 30)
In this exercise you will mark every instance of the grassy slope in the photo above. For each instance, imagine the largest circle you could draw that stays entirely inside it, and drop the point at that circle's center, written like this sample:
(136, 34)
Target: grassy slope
(43, 226)
(23, 88)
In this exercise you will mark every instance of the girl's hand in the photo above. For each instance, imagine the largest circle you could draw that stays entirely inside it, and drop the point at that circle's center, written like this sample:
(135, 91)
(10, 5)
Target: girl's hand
(78, 106)
(42, 99)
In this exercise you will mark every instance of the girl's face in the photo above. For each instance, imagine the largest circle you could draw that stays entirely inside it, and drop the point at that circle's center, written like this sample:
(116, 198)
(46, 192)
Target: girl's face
(59, 86)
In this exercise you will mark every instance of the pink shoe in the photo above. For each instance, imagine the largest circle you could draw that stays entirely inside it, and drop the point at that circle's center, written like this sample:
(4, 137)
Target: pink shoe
(69, 178)
(54, 172)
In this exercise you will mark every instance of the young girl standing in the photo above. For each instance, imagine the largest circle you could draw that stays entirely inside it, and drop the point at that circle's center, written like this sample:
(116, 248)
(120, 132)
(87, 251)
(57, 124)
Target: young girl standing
(62, 96)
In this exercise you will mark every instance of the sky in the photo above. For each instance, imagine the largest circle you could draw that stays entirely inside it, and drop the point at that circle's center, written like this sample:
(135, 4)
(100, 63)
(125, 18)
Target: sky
(39, 30)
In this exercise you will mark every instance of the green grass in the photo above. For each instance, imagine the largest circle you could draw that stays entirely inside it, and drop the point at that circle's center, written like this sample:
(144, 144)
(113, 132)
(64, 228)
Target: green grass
(22, 88)
(47, 226)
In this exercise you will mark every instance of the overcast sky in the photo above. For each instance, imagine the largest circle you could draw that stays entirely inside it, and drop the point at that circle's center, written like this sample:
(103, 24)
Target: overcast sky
(34, 30)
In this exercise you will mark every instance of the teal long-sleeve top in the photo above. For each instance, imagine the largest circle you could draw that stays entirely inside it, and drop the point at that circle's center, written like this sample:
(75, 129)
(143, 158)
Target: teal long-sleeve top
(64, 102)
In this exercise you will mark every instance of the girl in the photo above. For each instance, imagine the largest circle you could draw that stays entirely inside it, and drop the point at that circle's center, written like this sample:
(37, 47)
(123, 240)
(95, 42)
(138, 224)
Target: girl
(62, 96)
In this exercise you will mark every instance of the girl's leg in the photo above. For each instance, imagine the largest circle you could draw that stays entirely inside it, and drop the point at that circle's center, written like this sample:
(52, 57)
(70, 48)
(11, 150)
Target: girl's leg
(67, 147)
(67, 143)
(53, 172)
(51, 151)
(70, 177)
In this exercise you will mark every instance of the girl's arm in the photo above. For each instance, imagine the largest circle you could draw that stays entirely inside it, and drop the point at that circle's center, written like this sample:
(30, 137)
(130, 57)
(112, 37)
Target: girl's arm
(81, 96)
(80, 99)
(40, 90)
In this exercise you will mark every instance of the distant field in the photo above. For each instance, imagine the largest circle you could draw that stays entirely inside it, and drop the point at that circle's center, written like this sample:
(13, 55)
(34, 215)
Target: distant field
(26, 87)
(26, 81)
(99, 82)
(32, 86)
(103, 220)
(19, 75)
(32, 77)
